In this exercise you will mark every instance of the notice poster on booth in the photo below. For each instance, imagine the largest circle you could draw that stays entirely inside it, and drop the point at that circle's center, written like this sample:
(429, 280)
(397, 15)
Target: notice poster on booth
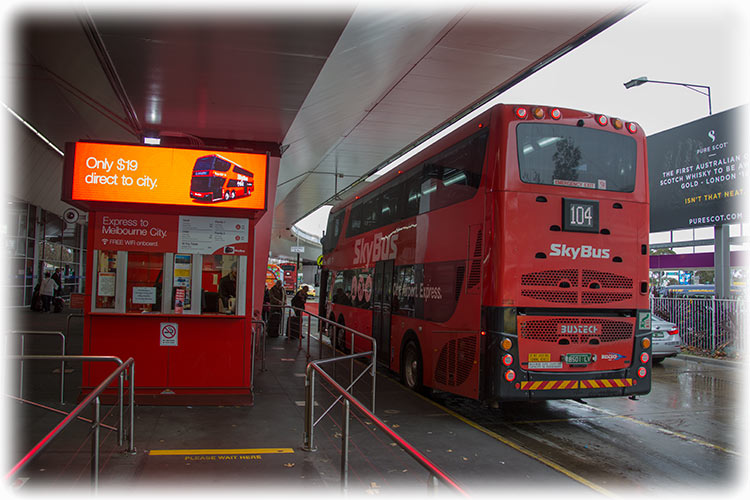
(135, 232)
(213, 235)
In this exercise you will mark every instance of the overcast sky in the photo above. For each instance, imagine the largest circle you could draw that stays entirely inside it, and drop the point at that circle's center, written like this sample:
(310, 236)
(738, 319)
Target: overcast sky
(704, 43)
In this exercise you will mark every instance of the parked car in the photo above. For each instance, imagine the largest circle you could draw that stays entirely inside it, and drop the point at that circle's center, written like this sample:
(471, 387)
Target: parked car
(665, 340)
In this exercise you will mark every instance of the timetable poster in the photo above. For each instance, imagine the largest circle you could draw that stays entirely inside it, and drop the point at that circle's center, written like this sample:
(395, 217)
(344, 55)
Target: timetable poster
(213, 235)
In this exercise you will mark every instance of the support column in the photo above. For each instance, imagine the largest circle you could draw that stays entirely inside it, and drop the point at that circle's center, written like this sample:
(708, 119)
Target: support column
(722, 270)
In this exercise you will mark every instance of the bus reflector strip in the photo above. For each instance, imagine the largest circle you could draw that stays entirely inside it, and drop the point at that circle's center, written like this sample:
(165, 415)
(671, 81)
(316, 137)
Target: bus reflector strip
(546, 385)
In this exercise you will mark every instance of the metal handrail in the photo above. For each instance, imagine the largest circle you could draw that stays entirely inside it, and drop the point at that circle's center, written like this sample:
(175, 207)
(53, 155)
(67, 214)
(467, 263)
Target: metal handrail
(310, 423)
(73, 415)
(435, 474)
(23, 334)
(336, 327)
(262, 351)
(71, 316)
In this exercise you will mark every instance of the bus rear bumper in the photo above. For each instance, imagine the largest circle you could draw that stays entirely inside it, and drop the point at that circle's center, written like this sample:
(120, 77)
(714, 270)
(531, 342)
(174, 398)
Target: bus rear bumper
(539, 385)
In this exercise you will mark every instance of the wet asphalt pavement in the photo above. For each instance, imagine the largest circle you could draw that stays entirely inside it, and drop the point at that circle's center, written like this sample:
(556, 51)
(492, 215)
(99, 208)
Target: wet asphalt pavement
(685, 435)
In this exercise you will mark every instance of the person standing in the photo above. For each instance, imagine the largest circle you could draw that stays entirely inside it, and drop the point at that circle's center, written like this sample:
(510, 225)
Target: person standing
(277, 298)
(56, 277)
(276, 295)
(299, 300)
(47, 290)
(228, 288)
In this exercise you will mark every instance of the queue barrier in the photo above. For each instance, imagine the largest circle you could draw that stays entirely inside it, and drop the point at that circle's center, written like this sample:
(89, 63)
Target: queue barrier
(93, 397)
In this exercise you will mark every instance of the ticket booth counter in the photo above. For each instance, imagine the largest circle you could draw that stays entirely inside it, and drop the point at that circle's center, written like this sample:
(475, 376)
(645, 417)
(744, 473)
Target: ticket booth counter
(172, 286)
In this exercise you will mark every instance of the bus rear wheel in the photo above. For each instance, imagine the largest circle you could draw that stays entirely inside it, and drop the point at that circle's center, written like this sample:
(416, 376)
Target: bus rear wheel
(226, 196)
(411, 367)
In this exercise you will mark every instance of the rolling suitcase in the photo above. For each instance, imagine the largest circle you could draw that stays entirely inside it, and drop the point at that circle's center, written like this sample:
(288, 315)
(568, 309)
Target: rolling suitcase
(274, 321)
(294, 324)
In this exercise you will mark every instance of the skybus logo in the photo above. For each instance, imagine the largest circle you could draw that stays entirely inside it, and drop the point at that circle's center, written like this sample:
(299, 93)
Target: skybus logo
(380, 248)
(584, 251)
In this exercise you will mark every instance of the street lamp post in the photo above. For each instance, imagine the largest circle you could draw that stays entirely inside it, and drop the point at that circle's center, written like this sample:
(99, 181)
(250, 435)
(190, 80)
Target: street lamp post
(722, 272)
(635, 82)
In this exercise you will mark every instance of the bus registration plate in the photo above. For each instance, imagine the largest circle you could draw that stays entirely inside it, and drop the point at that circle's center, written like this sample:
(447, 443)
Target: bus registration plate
(578, 358)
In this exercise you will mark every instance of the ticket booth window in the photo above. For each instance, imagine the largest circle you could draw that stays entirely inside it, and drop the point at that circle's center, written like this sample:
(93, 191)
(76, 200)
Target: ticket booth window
(219, 284)
(106, 279)
(144, 282)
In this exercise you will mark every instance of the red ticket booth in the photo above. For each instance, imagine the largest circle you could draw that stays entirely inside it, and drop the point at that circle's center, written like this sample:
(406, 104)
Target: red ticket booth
(175, 266)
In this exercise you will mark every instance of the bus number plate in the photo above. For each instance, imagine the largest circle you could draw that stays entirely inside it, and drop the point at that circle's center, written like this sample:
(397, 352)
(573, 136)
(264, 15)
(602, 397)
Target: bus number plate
(578, 358)
(580, 215)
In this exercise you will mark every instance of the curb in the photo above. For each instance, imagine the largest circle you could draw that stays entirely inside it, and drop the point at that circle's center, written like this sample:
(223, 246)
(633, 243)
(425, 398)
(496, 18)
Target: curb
(711, 361)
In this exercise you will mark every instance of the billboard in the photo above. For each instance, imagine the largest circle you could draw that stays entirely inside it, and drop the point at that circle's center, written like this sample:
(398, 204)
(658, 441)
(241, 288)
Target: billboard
(697, 172)
(119, 173)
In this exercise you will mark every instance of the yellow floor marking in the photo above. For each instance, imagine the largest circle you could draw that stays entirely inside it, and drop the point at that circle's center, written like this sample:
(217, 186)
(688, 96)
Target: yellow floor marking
(237, 451)
(529, 453)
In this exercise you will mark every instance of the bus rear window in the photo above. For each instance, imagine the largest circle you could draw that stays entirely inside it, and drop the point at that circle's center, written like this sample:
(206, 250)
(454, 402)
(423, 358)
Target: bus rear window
(570, 156)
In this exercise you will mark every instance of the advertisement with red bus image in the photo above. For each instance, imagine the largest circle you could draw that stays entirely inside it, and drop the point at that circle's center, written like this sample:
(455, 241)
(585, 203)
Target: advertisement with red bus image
(507, 261)
(217, 179)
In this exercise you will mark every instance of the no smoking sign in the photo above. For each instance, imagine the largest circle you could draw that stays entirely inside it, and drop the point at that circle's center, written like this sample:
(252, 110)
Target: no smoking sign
(168, 334)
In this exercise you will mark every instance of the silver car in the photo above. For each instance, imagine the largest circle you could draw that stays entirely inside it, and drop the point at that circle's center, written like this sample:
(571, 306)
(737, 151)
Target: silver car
(665, 340)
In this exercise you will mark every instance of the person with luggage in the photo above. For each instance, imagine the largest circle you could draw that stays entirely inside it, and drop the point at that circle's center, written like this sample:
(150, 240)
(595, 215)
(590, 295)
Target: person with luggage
(277, 297)
(298, 302)
(47, 289)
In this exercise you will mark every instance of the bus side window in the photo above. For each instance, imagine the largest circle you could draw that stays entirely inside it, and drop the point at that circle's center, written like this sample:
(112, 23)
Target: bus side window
(389, 205)
(413, 195)
(370, 211)
(355, 221)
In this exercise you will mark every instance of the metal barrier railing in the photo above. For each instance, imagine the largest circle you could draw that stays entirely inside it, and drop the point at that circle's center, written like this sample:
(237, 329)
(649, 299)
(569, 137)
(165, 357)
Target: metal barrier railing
(327, 327)
(435, 474)
(93, 397)
(258, 337)
(706, 323)
(333, 329)
(71, 316)
(22, 350)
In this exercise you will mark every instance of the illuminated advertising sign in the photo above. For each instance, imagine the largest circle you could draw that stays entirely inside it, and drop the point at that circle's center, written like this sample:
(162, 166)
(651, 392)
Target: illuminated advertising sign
(99, 172)
(697, 172)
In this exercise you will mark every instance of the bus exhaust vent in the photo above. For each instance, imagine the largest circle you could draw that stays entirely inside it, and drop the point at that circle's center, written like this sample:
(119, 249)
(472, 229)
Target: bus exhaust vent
(460, 273)
(548, 329)
(550, 278)
(475, 269)
(574, 286)
(456, 361)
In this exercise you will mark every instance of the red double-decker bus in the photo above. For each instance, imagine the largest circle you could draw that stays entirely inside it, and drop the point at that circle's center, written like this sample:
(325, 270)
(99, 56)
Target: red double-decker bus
(290, 276)
(507, 261)
(215, 178)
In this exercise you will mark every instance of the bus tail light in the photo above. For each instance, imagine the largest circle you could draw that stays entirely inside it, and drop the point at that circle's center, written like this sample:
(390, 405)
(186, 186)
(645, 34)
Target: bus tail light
(510, 375)
(507, 360)
(602, 120)
(556, 114)
(522, 113)
(646, 343)
(642, 371)
(645, 357)
(506, 344)
(632, 128)
(617, 123)
(538, 113)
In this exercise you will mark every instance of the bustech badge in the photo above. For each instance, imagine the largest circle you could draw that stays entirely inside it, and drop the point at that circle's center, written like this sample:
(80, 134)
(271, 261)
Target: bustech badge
(584, 251)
